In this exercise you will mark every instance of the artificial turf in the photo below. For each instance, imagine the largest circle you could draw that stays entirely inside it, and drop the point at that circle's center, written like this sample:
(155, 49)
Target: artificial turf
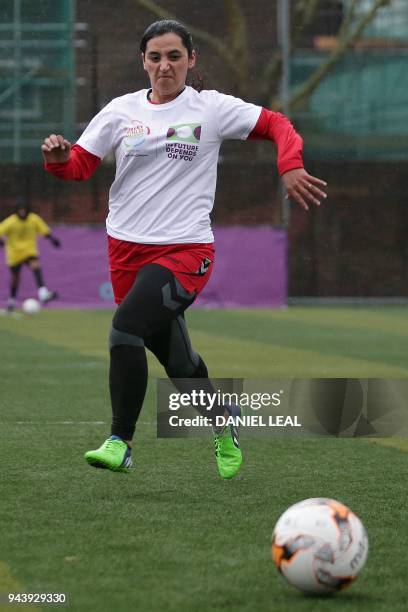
(172, 535)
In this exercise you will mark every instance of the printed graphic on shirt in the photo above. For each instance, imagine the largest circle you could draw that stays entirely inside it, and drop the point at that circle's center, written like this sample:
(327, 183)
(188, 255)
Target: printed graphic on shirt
(135, 138)
(185, 132)
(179, 138)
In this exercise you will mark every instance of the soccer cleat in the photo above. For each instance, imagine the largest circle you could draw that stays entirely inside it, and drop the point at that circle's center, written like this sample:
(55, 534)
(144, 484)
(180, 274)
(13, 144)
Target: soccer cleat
(114, 454)
(45, 295)
(227, 451)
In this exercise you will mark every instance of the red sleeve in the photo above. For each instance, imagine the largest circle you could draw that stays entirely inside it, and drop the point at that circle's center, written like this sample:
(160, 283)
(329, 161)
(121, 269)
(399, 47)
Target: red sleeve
(278, 128)
(80, 166)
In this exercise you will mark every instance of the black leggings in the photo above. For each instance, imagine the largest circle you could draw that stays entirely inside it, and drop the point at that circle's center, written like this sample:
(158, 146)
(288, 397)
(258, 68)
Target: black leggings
(152, 316)
(15, 271)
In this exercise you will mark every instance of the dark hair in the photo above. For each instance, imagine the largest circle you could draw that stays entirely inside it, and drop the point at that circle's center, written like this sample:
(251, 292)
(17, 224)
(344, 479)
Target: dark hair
(21, 203)
(159, 28)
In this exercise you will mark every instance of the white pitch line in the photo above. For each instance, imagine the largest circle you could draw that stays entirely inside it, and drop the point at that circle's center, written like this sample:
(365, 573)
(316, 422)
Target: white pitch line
(11, 315)
(69, 423)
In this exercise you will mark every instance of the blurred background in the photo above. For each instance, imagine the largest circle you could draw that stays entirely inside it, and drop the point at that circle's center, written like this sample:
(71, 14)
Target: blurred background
(336, 67)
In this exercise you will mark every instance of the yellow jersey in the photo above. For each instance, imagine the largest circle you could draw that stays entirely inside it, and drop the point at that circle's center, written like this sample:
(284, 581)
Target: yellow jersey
(21, 237)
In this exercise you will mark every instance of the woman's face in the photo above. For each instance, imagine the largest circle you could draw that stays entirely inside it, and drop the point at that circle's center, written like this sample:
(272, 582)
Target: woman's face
(166, 62)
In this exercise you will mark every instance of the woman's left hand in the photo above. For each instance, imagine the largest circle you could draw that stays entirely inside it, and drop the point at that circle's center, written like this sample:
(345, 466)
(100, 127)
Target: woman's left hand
(304, 188)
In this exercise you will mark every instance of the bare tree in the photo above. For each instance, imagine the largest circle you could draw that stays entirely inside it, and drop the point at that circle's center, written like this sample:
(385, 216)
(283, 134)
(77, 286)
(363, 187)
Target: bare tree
(349, 33)
(235, 49)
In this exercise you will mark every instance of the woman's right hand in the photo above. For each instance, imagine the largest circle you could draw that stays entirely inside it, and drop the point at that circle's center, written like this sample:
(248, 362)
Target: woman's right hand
(55, 149)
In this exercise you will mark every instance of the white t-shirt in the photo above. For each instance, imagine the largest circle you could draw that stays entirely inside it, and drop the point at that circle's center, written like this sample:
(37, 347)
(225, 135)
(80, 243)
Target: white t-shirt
(166, 161)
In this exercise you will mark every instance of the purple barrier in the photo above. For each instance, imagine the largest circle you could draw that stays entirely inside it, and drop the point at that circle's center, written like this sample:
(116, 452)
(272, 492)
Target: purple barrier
(250, 269)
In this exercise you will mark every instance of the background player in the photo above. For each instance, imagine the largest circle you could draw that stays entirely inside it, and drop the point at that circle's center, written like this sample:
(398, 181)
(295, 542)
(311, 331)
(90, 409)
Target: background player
(21, 230)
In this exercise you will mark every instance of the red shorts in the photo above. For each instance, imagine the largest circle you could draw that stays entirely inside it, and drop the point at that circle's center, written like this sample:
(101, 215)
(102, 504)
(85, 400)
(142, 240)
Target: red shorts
(191, 264)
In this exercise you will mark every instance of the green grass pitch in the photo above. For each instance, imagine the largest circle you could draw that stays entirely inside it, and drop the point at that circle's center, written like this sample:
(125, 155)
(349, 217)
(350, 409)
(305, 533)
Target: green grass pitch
(172, 535)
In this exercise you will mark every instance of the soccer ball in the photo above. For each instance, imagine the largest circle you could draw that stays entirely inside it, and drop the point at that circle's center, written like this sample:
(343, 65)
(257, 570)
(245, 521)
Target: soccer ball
(31, 306)
(319, 545)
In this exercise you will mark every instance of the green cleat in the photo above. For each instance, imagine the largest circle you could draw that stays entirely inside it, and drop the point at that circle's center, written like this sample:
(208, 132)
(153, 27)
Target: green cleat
(227, 451)
(114, 454)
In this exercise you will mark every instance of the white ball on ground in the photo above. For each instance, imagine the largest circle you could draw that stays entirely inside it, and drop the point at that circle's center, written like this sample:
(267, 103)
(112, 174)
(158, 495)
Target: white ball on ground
(31, 306)
(319, 545)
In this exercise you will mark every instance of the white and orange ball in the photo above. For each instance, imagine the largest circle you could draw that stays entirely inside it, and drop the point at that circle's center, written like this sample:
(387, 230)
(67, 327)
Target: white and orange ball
(319, 545)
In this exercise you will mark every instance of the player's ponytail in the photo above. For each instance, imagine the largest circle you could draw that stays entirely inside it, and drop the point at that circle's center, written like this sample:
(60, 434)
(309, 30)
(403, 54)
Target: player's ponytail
(196, 81)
